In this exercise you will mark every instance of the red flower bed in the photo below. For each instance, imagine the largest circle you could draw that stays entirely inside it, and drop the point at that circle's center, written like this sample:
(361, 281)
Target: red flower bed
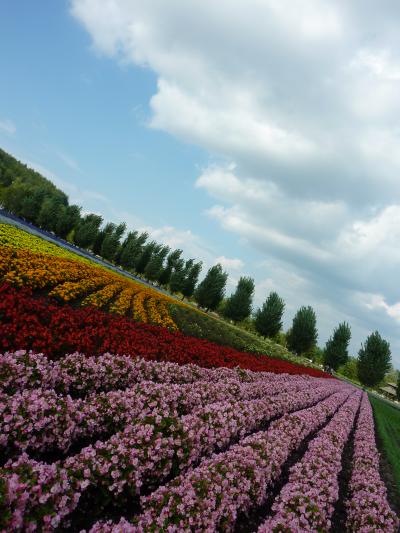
(40, 324)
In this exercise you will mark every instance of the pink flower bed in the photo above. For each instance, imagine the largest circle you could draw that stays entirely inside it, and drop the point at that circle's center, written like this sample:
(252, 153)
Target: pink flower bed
(209, 497)
(43, 420)
(177, 447)
(368, 508)
(306, 502)
(146, 452)
(80, 374)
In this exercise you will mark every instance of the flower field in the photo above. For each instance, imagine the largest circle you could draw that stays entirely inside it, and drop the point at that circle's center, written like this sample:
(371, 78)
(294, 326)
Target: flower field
(112, 443)
(112, 420)
(28, 261)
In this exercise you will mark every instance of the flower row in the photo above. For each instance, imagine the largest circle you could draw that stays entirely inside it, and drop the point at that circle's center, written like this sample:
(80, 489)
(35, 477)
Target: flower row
(64, 329)
(367, 507)
(78, 374)
(209, 497)
(306, 502)
(42, 420)
(143, 454)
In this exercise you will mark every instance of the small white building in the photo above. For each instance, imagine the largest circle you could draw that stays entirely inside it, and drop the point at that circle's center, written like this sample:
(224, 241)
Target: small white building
(389, 390)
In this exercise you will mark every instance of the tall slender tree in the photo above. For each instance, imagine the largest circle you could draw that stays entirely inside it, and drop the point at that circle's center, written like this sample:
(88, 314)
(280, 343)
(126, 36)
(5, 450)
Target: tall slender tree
(336, 348)
(148, 250)
(303, 334)
(178, 276)
(87, 230)
(108, 229)
(111, 242)
(131, 237)
(154, 267)
(373, 360)
(166, 273)
(211, 290)
(132, 249)
(191, 279)
(268, 319)
(238, 305)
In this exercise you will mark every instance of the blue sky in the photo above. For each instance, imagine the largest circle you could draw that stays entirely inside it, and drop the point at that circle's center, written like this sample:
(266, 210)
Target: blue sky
(224, 130)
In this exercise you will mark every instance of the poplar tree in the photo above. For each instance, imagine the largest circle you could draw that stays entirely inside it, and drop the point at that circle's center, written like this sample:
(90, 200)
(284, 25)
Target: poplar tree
(87, 230)
(132, 249)
(211, 290)
(145, 256)
(268, 319)
(373, 360)
(336, 348)
(111, 242)
(177, 276)
(191, 279)
(303, 334)
(238, 305)
(101, 235)
(155, 266)
(172, 259)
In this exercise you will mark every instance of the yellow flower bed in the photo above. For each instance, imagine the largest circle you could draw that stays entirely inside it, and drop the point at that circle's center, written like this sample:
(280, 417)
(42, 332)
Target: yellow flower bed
(103, 296)
(17, 238)
(27, 260)
(71, 290)
(138, 309)
(122, 304)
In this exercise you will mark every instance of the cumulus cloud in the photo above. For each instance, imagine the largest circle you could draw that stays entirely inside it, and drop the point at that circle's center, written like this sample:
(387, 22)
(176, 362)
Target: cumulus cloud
(298, 103)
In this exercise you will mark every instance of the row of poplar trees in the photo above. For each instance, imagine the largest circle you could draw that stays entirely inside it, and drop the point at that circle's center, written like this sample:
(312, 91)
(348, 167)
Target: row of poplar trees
(374, 356)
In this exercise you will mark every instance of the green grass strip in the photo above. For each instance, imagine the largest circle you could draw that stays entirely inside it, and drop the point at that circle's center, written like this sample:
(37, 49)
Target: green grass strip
(387, 421)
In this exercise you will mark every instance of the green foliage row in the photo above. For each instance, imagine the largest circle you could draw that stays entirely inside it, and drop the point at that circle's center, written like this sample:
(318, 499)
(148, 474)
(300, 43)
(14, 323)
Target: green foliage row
(208, 327)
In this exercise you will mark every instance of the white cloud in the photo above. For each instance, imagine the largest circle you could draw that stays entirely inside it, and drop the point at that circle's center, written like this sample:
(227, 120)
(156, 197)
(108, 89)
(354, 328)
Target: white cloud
(230, 263)
(8, 126)
(378, 63)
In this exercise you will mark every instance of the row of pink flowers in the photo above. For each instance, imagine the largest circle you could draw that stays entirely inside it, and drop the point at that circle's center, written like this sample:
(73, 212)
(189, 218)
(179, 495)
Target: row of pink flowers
(306, 502)
(43, 420)
(141, 455)
(367, 507)
(79, 374)
(209, 497)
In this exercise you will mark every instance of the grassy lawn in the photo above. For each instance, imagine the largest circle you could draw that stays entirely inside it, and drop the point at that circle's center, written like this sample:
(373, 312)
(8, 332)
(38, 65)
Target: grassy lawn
(387, 420)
